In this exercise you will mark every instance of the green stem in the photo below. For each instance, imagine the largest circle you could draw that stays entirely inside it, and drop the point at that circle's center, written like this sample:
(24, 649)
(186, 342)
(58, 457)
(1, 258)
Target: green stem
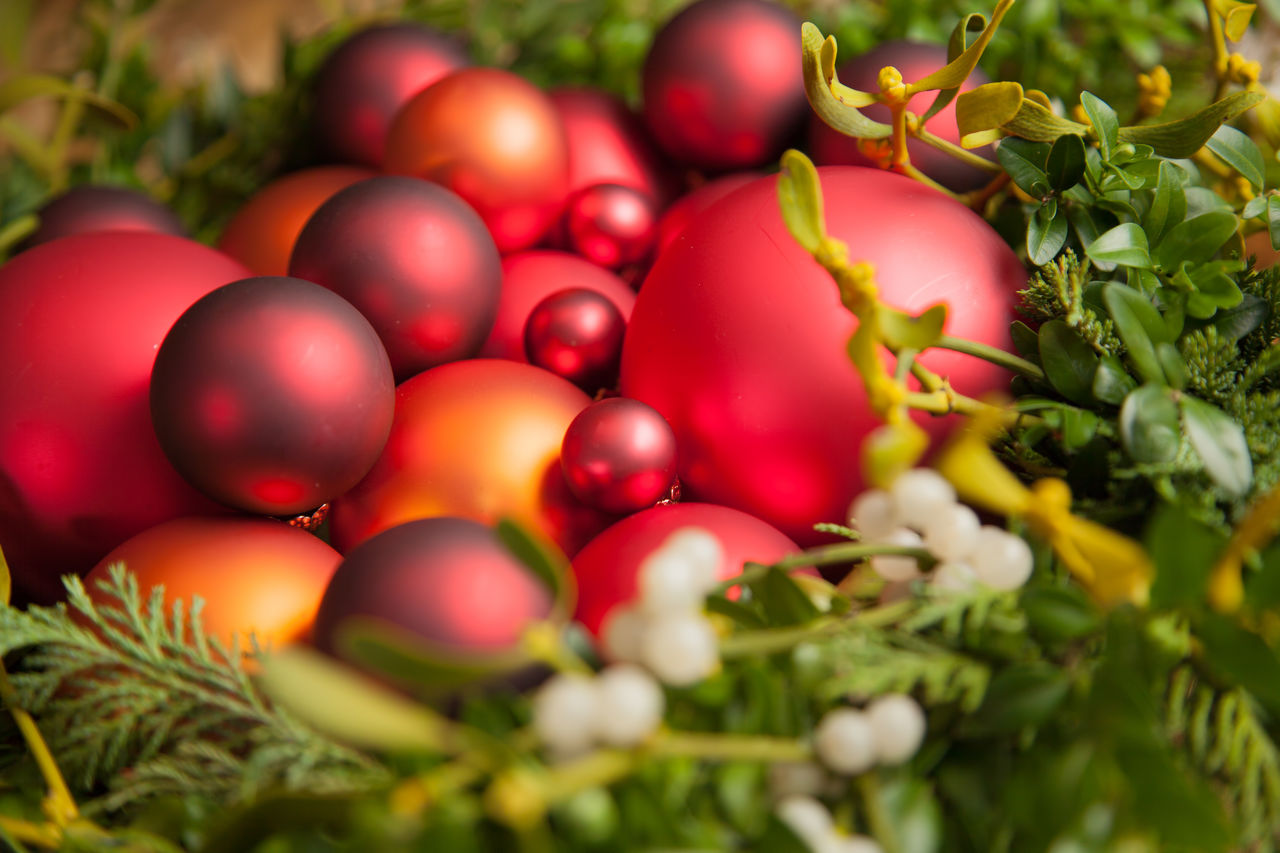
(16, 231)
(961, 154)
(59, 804)
(64, 132)
(995, 355)
(946, 403)
(729, 747)
(769, 641)
(878, 819)
(847, 552)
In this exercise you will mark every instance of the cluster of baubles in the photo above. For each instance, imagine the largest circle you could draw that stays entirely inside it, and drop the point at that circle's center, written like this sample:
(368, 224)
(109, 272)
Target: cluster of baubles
(415, 331)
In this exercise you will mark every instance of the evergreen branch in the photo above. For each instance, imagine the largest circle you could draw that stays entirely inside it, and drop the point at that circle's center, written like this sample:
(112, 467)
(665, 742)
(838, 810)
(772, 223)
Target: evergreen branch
(1056, 291)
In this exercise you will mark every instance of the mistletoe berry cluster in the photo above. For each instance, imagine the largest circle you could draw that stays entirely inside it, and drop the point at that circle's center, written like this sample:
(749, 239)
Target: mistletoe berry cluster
(621, 707)
(809, 819)
(888, 732)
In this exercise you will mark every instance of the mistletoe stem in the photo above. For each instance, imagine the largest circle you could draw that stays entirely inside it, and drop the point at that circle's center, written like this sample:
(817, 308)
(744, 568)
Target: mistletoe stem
(59, 804)
(847, 552)
(717, 747)
(961, 154)
(40, 834)
(995, 355)
(17, 230)
(772, 640)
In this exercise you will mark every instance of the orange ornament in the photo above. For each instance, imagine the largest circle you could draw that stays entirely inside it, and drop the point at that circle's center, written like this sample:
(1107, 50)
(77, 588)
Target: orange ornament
(262, 234)
(1258, 244)
(476, 439)
(254, 574)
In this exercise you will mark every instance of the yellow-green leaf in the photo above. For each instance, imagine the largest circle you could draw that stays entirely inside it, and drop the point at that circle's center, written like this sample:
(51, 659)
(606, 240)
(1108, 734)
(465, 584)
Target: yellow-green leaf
(6, 582)
(1186, 136)
(835, 104)
(1235, 16)
(957, 45)
(956, 72)
(1036, 122)
(24, 87)
(903, 331)
(891, 449)
(983, 111)
(800, 196)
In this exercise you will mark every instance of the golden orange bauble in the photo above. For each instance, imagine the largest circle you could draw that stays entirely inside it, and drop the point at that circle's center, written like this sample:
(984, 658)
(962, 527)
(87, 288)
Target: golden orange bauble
(262, 234)
(254, 574)
(476, 439)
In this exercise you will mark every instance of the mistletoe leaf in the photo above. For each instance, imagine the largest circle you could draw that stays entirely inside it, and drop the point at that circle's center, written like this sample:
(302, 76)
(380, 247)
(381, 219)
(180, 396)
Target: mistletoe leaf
(957, 45)
(800, 196)
(1185, 136)
(901, 330)
(954, 73)
(983, 111)
(835, 104)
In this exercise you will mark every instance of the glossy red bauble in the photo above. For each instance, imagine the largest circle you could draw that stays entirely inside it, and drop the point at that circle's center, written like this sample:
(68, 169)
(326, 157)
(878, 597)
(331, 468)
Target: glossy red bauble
(87, 208)
(576, 334)
(738, 337)
(272, 395)
(611, 225)
(263, 232)
(619, 455)
(494, 139)
(255, 575)
(692, 204)
(722, 83)
(417, 262)
(530, 277)
(80, 468)
(606, 569)
(369, 77)
(915, 60)
(608, 144)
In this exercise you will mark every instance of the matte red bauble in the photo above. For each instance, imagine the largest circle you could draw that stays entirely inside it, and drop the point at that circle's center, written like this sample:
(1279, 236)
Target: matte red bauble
(447, 581)
(915, 60)
(611, 225)
(272, 395)
(606, 569)
(576, 334)
(256, 575)
(477, 439)
(530, 277)
(722, 83)
(692, 204)
(619, 455)
(85, 209)
(494, 139)
(80, 468)
(417, 262)
(369, 77)
(738, 337)
(263, 232)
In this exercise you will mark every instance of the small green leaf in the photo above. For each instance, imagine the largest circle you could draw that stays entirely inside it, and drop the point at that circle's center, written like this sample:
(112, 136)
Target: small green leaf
(1024, 161)
(1243, 657)
(1025, 340)
(1183, 550)
(1273, 220)
(912, 810)
(382, 647)
(903, 331)
(1060, 614)
(1068, 360)
(1020, 695)
(1219, 441)
(1139, 325)
(744, 614)
(1149, 425)
(547, 563)
(1126, 245)
(1239, 152)
(1254, 207)
(1173, 365)
(784, 602)
(1112, 383)
(1195, 240)
(1184, 137)
(1168, 205)
(1065, 166)
(24, 87)
(1046, 235)
(1234, 323)
(1106, 126)
(800, 196)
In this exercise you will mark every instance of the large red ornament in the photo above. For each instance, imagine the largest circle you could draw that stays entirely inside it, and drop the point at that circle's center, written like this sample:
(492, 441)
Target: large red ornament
(256, 575)
(80, 468)
(915, 60)
(417, 262)
(263, 232)
(738, 337)
(477, 439)
(611, 225)
(692, 204)
(723, 87)
(87, 208)
(619, 455)
(606, 568)
(272, 395)
(576, 334)
(369, 77)
(530, 277)
(494, 139)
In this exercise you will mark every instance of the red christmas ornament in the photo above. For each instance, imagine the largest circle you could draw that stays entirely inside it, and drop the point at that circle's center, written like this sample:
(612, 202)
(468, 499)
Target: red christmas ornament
(85, 209)
(80, 468)
(417, 262)
(576, 334)
(494, 139)
(272, 395)
(369, 77)
(606, 568)
(722, 83)
(915, 60)
(619, 455)
(263, 232)
(738, 337)
(612, 225)
(530, 277)
(256, 575)
(477, 439)
(692, 204)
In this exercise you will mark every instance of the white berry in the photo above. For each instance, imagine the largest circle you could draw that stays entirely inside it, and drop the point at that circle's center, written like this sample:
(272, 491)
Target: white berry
(807, 818)
(873, 515)
(1001, 560)
(623, 633)
(630, 705)
(702, 550)
(898, 568)
(952, 534)
(789, 778)
(919, 495)
(953, 577)
(565, 710)
(850, 844)
(669, 583)
(845, 741)
(899, 725)
(681, 648)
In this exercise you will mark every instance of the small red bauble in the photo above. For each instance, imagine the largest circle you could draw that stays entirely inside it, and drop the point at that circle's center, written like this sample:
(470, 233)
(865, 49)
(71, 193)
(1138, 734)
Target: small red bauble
(619, 455)
(691, 205)
(738, 337)
(85, 209)
(417, 262)
(263, 232)
(723, 87)
(80, 468)
(369, 77)
(915, 60)
(606, 568)
(576, 334)
(611, 225)
(530, 277)
(256, 575)
(272, 395)
(494, 139)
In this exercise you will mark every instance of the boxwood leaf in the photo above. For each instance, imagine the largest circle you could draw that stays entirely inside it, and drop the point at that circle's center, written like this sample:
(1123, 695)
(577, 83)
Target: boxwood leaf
(1126, 245)
(1025, 340)
(1060, 614)
(1020, 695)
(1239, 152)
(1219, 441)
(1139, 325)
(1173, 365)
(1242, 656)
(1234, 323)
(1195, 240)
(1046, 232)
(1168, 205)
(1065, 166)
(1149, 424)
(1024, 161)
(1068, 360)
(1106, 126)
(1111, 382)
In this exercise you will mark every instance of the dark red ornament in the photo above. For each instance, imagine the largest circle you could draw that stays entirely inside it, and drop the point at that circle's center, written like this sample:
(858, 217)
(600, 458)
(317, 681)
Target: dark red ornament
(448, 582)
(414, 259)
(369, 77)
(915, 60)
(691, 205)
(722, 84)
(619, 455)
(80, 468)
(272, 395)
(85, 209)
(577, 335)
(612, 225)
